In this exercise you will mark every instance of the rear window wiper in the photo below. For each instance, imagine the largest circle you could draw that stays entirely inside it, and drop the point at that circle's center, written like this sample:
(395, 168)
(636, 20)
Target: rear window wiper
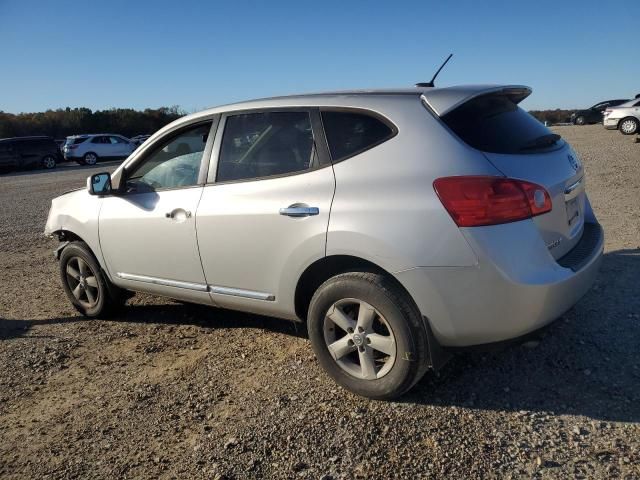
(541, 142)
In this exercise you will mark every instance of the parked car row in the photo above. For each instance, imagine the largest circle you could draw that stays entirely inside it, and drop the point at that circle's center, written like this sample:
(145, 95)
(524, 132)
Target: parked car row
(623, 115)
(20, 153)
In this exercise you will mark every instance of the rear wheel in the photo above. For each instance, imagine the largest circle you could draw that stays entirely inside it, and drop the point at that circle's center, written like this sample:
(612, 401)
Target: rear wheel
(86, 286)
(368, 335)
(90, 158)
(49, 162)
(629, 126)
(580, 120)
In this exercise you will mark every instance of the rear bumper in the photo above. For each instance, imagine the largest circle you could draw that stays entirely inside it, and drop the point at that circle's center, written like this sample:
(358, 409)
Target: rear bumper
(505, 295)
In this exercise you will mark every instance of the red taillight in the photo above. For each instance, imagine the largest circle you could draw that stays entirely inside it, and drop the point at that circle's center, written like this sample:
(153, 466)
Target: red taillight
(475, 201)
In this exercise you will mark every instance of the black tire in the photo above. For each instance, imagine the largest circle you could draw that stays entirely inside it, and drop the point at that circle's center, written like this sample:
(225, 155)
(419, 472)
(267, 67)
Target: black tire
(629, 126)
(90, 158)
(580, 120)
(107, 297)
(49, 162)
(393, 306)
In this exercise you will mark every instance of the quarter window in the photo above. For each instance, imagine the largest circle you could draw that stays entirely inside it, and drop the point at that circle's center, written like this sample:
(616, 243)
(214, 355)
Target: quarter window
(350, 133)
(174, 163)
(264, 144)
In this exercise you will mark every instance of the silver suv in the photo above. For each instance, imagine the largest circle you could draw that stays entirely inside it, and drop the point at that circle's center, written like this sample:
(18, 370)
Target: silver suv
(89, 149)
(394, 223)
(625, 117)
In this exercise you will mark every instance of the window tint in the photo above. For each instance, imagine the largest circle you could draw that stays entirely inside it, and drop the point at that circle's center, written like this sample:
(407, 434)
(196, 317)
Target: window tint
(494, 123)
(75, 141)
(97, 140)
(349, 133)
(264, 144)
(175, 163)
(116, 140)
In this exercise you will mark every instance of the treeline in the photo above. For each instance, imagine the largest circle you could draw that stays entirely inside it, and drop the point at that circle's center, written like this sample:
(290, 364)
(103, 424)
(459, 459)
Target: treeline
(552, 116)
(70, 121)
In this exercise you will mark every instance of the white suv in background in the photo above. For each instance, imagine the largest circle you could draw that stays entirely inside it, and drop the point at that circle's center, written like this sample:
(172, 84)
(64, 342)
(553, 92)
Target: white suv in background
(89, 149)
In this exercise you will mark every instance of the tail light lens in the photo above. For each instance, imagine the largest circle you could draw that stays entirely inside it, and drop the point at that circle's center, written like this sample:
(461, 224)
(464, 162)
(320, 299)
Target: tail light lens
(481, 200)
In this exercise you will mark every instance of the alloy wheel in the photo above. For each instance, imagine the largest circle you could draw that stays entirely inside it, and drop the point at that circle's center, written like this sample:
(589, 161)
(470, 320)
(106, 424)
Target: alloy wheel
(49, 162)
(359, 339)
(628, 126)
(90, 159)
(82, 282)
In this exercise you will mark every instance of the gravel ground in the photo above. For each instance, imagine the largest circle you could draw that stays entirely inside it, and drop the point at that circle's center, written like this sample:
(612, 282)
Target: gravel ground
(178, 391)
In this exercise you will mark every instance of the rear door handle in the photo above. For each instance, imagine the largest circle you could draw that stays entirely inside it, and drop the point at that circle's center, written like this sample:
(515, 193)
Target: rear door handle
(299, 211)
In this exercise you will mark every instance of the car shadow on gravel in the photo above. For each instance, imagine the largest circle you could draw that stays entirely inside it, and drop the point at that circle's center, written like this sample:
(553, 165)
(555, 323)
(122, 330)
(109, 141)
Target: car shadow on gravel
(167, 314)
(208, 317)
(585, 363)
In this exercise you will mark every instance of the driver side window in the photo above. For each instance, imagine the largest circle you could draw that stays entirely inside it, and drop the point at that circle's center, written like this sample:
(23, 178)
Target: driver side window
(174, 163)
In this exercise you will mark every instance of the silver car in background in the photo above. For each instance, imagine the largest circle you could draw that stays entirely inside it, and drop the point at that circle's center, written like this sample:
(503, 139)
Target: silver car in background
(395, 223)
(89, 149)
(625, 117)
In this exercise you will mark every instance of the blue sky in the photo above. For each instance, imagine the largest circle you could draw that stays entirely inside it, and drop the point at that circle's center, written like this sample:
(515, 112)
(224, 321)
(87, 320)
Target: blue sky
(102, 54)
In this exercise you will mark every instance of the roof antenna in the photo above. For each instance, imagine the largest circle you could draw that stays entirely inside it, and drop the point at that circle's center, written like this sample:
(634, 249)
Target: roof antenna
(430, 84)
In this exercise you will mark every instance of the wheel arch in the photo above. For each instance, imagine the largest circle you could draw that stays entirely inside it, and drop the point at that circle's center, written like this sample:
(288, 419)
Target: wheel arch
(66, 236)
(326, 267)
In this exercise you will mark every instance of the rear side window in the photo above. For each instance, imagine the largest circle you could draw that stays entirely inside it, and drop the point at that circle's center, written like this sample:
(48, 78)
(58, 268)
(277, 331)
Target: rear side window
(263, 144)
(350, 133)
(495, 123)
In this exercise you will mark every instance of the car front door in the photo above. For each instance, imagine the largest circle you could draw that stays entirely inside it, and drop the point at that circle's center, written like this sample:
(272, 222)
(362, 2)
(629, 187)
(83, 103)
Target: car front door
(264, 213)
(147, 230)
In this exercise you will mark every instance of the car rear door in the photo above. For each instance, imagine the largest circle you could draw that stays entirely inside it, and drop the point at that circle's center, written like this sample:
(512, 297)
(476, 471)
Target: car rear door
(264, 212)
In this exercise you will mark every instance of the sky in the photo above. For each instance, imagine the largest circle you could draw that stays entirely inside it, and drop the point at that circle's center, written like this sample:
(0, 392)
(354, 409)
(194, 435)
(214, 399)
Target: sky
(148, 54)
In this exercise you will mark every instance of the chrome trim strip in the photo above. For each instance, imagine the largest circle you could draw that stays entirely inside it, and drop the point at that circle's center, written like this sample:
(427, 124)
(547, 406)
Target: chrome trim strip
(238, 292)
(572, 187)
(200, 287)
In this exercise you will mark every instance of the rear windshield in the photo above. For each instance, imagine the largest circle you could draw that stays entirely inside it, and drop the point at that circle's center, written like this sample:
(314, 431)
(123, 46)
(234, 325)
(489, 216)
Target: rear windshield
(75, 140)
(495, 123)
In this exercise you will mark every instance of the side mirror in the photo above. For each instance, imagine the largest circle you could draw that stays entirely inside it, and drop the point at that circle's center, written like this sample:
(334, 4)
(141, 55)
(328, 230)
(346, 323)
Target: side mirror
(99, 184)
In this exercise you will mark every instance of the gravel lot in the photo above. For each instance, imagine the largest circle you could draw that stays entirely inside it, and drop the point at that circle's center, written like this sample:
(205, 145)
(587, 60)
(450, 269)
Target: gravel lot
(177, 391)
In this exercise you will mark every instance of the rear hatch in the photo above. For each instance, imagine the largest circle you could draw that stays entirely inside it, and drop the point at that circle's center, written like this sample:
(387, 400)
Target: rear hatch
(522, 148)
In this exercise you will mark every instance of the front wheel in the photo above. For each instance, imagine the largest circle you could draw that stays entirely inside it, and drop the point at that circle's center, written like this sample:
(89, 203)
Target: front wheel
(629, 126)
(90, 158)
(580, 120)
(368, 335)
(86, 286)
(49, 162)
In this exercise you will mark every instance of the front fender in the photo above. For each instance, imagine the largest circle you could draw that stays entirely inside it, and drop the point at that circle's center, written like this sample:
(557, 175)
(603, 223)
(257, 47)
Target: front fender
(77, 212)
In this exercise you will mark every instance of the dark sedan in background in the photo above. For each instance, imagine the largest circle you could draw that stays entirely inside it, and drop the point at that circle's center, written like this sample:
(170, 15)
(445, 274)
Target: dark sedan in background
(594, 114)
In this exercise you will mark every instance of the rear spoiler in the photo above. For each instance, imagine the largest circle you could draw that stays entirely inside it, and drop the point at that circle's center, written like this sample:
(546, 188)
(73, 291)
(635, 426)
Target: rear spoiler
(444, 100)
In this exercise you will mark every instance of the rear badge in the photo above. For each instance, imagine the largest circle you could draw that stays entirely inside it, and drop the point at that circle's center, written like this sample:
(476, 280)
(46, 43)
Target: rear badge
(554, 244)
(575, 164)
